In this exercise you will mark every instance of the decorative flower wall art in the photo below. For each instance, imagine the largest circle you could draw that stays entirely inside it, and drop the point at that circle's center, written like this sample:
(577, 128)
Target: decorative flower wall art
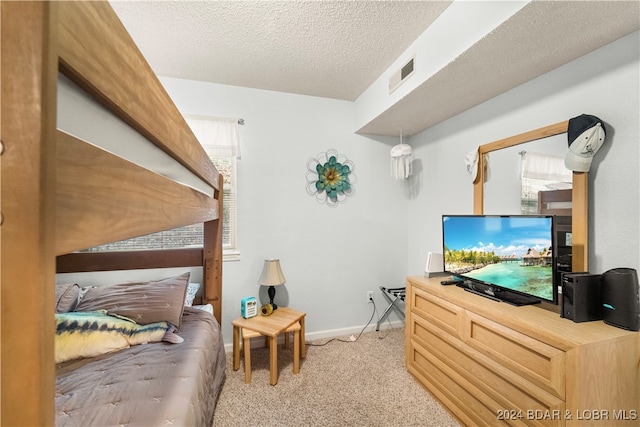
(330, 178)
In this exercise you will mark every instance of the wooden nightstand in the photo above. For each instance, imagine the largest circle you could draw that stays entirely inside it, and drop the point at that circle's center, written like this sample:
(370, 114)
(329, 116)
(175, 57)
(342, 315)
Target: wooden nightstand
(281, 320)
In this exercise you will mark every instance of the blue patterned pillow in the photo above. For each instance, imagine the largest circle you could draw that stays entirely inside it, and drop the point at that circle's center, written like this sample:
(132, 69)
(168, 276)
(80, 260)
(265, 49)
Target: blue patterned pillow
(192, 290)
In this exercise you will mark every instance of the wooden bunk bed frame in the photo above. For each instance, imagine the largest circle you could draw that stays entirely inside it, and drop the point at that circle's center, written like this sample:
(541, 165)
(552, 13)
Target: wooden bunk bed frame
(546, 199)
(60, 194)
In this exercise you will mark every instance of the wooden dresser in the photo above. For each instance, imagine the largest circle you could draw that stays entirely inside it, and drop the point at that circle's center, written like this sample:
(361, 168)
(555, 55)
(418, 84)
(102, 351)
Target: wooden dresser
(491, 363)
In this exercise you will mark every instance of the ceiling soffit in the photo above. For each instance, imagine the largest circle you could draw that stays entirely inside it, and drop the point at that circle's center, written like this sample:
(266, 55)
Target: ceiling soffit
(542, 36)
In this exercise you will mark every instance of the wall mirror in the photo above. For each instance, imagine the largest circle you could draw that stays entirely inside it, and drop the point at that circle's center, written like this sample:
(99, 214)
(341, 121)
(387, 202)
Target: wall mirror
(484, 194)
(523, 174)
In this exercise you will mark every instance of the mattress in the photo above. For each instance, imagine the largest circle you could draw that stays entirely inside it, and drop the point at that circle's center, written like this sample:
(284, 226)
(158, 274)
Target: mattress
(147, 385)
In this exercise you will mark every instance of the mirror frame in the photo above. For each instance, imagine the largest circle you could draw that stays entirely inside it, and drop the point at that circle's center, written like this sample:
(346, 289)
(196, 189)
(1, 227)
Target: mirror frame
(579, 197)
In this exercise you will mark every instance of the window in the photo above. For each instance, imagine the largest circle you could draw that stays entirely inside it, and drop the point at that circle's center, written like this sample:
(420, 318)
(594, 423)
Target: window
(227, 167)
(220, 139)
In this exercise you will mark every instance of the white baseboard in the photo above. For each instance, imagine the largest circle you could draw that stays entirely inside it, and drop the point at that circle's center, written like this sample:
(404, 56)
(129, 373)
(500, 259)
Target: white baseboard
(327, 334)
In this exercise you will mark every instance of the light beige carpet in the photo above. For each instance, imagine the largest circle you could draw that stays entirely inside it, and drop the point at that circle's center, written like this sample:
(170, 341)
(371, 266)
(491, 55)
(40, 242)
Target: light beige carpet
(361, 383)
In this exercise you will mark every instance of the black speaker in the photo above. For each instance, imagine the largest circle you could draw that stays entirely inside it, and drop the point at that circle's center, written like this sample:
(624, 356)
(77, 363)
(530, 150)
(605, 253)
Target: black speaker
(621, 298)
(581, 297)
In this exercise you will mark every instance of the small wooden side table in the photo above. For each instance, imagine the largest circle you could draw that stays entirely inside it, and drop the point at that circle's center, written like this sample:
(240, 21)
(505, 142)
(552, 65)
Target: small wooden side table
(269, 326)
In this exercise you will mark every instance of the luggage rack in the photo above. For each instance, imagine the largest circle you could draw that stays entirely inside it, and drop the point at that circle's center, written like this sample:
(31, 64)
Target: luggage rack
(394, 296)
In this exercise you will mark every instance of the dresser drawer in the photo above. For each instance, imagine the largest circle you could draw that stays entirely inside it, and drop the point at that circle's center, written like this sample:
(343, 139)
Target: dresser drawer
(463, 399)
(447, 316)
(534, 360)
(506, 395)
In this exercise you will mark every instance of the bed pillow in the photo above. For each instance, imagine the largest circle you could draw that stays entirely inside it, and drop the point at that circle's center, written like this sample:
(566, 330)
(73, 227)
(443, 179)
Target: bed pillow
(205, 307)
(142, 302)
(92, 333)
(66, 297)
(192, 290)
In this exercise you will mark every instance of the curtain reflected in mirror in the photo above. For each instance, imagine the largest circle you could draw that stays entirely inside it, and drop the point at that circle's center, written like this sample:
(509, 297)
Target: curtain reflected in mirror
(514, 183)
(545, 184)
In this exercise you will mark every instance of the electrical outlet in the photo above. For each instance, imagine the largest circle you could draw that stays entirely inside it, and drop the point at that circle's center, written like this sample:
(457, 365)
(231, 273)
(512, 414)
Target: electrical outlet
(369, 296)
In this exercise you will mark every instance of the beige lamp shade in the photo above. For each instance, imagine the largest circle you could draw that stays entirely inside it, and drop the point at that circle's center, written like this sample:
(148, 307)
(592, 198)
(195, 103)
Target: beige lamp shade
(271, 273)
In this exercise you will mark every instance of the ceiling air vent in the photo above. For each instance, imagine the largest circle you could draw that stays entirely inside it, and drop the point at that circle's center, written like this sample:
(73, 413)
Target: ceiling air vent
(401, 75)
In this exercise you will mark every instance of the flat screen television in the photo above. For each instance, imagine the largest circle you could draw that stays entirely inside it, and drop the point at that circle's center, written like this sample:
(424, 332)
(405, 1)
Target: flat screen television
(509, 258)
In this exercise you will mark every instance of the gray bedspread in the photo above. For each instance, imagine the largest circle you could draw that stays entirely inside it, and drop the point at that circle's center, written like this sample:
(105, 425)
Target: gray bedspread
(155, 384)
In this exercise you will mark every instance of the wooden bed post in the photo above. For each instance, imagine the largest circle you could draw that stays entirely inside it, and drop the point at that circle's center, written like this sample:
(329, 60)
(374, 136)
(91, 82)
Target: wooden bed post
(29, 76)
(89, 45)
(212, 262)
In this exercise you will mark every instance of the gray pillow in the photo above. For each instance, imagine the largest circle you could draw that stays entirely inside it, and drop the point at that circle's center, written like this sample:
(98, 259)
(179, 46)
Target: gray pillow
(142, 302)
(66, 297)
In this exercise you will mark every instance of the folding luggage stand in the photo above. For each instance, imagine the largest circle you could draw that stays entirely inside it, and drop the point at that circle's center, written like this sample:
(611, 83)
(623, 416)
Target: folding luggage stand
(393, 295)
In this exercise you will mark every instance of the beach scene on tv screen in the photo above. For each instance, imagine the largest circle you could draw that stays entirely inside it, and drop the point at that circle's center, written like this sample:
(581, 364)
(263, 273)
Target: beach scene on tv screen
(511, 252)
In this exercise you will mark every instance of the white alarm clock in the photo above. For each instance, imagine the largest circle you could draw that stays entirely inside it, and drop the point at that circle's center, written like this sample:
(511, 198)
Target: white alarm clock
(249, 307)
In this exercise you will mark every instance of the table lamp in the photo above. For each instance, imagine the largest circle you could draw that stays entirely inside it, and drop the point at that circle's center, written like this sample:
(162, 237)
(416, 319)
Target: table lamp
(272, 276)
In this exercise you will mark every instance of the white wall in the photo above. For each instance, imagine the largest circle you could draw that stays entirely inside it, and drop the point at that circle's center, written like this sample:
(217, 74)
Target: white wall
(330, 256)
(604, 83)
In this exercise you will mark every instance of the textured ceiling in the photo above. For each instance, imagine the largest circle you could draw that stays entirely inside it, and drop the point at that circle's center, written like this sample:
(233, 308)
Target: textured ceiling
(332, 49)
(337, 49)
